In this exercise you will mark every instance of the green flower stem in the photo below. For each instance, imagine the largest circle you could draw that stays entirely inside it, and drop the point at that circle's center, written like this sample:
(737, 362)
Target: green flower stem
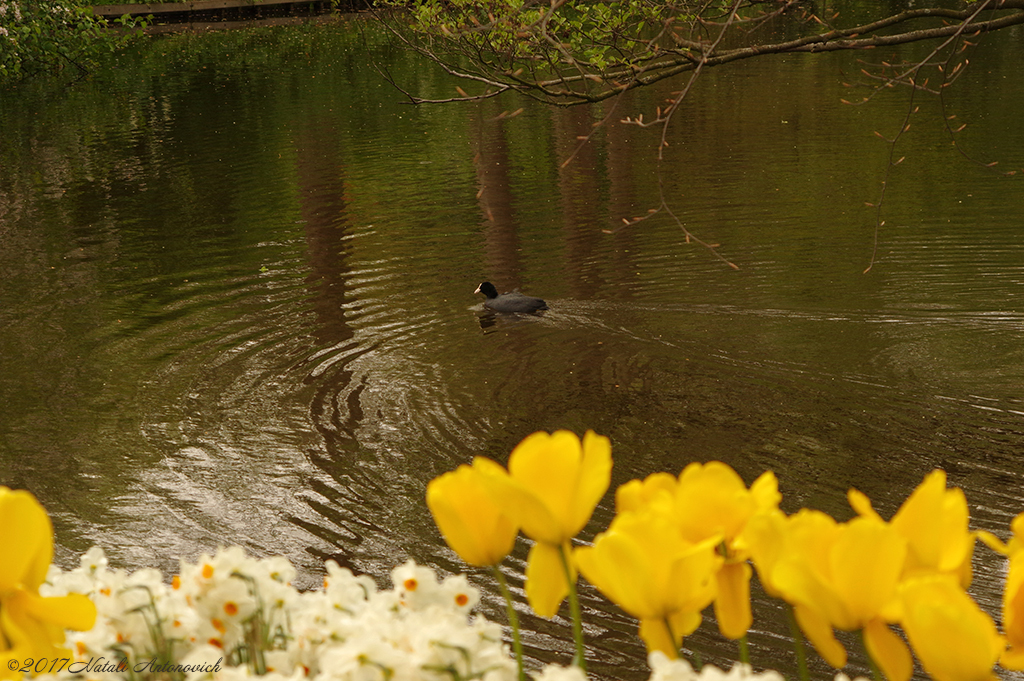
(574, 609)
(798, 644)
(513, 620)
(672, 637)
(744, 650)
(697, 662)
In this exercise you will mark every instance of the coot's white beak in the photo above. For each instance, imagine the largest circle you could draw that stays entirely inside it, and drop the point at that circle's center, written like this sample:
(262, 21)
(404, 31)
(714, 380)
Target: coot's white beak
(477, 290)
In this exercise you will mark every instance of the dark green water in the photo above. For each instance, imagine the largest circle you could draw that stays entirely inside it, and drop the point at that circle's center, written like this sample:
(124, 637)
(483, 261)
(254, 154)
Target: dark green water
(237, 300)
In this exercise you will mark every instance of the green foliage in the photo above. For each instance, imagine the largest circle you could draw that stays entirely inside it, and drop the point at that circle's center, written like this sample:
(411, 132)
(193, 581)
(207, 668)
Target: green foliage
(578, 51)
(545, 40)
(54, 37)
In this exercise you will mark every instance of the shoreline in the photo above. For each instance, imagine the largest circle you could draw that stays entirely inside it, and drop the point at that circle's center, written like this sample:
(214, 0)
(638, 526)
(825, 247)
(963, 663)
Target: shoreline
(226, 11)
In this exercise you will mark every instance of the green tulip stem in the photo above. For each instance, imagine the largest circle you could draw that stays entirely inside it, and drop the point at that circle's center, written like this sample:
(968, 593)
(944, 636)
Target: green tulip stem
(672, 636)
(798, 644)
(744, 650)
(513, 620)
(574, 609)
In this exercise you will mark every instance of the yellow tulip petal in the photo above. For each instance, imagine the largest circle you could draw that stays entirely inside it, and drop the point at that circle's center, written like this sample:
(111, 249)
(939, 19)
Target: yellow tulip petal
(1012, 659)
(819, 632)
(957, 545)
(765, 491)
(866, 563)
(24, 635)
(595, 476)
(553, 483)
(28, 633)
(860, 503)
(74, 611)
(27, 539)
(637, 493)
(642, 564)
(522, 506)
(621, 570)
(546, 586)
(803, 573)
(486, 466)
(764, 538)
(691, 582)
(934, 520)
(953, 638)
(684, 623)
(655, 635)
(1013, 602)
(917, 516)
(543, 463)
(993, 542)
(1017, 527)
(712, 499)
(655, 632)
(6, 674)
(888, 651)
(732, 604)
(470, 519)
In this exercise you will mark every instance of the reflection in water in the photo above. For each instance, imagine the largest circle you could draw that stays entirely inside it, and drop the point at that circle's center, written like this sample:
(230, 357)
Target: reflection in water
(238, 308)
(493, 165)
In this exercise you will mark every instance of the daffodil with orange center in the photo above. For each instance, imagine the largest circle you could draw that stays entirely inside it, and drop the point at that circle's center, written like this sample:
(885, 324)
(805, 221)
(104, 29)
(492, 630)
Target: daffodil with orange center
(31, 626)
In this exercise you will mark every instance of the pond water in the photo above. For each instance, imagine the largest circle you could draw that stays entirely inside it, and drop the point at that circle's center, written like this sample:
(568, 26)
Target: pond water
(237, 300)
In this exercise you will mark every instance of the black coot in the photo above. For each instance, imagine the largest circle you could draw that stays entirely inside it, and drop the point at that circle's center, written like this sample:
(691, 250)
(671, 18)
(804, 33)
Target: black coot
(509, 302)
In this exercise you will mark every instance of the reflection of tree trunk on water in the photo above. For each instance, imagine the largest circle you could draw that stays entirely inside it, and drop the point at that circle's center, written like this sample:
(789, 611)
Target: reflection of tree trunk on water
(580, 185)
(622, 196)
(580, 189)
(596, 189)
(501, 236)
(319, 169)
(587, 181)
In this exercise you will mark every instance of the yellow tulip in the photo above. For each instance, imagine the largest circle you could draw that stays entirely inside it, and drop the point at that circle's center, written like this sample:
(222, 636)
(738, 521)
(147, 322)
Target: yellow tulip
(846, 576)
(637, 493)
(1013, 593)
(1013, 613)
(643, 564)
(789, 558)
(953, 638)
(766, 538)
(469, 518)
(1016, 543)
(712, 502)
(552, 485)
(934, 521)
(31, 626)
